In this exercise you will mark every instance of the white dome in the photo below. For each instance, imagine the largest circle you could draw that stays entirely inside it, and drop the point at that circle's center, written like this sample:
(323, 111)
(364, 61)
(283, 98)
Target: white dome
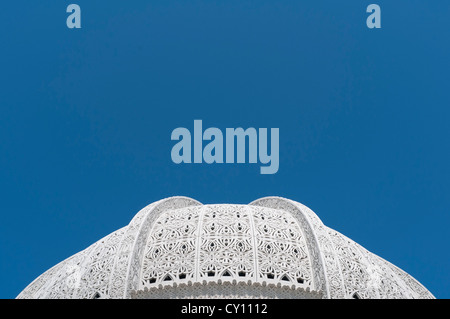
(179, 248)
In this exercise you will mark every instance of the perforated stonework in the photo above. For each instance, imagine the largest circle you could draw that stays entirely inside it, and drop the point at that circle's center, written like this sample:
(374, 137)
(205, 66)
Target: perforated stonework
(271, 248)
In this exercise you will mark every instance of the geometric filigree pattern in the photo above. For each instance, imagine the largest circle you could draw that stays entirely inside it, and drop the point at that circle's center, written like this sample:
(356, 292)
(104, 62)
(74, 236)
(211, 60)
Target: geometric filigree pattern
(228, 243)
(179, 248)
(170, 253)
(281, 248)
(225, 244)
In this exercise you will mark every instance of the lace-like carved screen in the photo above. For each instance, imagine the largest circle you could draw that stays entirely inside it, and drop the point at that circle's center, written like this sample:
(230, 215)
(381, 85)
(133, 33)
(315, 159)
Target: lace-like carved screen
(228, 243)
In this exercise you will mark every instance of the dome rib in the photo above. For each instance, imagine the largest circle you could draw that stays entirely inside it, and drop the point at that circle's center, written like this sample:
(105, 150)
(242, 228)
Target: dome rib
(130, 257)
(309, 230)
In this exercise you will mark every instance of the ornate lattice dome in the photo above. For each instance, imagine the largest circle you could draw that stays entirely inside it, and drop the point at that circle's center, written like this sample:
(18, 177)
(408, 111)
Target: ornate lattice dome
(179, 248)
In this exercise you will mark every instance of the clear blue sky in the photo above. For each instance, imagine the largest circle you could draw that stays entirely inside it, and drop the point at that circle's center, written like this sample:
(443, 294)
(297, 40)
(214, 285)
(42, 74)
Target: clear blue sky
(86, 117)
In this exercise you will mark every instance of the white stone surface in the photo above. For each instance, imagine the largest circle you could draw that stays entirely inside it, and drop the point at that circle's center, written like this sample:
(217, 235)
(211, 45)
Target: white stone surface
(179, 248)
